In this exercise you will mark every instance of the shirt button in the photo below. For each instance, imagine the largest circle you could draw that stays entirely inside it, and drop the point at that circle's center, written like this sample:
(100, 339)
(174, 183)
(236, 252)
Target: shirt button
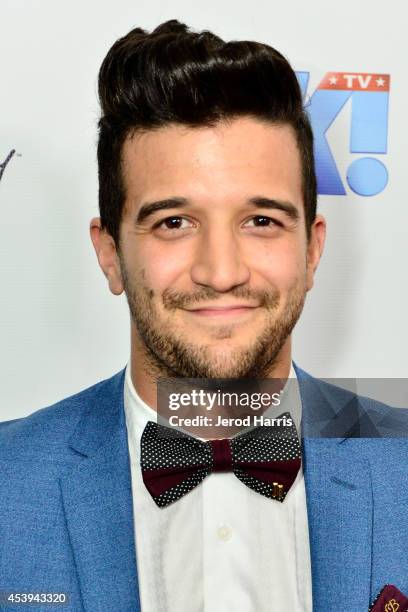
(224, 533)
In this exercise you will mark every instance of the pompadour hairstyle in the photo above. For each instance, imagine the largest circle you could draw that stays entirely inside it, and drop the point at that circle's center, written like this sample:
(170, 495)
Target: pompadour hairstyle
(176, 76)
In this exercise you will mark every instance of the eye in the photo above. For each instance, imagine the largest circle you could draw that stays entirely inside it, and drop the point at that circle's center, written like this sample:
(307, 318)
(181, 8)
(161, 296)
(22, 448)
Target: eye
(261, 221)
(172, 223)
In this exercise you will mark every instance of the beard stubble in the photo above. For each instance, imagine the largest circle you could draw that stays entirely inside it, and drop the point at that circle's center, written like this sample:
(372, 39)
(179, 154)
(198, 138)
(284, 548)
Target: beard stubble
(172, 355)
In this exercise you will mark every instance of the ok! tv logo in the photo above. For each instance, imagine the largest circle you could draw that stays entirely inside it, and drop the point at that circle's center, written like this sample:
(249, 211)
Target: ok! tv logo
(367, 174)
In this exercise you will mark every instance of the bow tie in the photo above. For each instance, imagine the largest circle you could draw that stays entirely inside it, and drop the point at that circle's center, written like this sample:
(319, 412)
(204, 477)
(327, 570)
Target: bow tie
(266, 459)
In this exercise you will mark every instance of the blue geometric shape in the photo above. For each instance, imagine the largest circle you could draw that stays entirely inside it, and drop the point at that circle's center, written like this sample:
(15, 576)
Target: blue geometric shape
(324, 107)
(367, 176)
(369, 122)
(303, 80)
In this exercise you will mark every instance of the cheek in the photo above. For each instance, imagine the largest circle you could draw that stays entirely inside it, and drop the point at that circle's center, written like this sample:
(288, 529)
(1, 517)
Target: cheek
(160, 269)
(282, 267)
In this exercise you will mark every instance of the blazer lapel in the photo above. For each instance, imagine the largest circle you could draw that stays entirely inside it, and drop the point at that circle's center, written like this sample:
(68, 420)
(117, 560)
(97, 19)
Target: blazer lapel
(98, 505)
(339, 500)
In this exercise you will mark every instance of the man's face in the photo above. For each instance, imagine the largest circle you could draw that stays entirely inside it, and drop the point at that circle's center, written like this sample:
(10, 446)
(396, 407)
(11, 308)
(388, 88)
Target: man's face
(215, 262)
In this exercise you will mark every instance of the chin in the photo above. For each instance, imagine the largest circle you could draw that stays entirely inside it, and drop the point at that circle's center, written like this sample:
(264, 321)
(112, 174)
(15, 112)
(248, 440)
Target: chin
(224, 367)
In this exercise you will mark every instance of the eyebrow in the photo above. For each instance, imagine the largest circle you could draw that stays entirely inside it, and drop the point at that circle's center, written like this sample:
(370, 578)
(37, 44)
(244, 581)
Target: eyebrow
(149, 208)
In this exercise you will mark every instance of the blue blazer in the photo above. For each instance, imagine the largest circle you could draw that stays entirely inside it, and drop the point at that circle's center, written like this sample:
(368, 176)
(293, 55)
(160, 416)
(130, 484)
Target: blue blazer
(66, 518)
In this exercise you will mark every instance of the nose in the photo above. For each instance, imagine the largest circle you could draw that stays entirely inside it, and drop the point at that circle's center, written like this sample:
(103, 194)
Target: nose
(219, 262)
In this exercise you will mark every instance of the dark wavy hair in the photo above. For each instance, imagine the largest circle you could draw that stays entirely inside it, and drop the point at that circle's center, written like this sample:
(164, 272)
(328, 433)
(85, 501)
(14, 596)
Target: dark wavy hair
(175, 75)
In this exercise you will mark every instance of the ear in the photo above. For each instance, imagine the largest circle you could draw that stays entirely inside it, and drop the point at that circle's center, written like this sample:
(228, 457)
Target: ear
(106, 253)
(315, 248)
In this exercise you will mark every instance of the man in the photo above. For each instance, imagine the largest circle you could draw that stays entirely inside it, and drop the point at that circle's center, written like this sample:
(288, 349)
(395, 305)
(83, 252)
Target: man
(208, 223)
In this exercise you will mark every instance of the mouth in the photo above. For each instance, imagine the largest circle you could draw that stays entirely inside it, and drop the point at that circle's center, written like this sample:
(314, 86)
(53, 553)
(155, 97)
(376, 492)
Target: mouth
(222, 312)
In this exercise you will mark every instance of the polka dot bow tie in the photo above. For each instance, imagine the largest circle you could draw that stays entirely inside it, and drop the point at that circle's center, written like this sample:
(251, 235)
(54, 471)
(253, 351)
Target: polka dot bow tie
(266, 459)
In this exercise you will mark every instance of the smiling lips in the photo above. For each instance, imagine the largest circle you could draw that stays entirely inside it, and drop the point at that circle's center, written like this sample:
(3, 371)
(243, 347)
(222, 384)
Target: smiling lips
(222, 311)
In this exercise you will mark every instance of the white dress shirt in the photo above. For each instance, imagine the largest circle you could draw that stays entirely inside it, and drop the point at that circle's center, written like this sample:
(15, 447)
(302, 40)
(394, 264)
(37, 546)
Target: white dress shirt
(222, 547)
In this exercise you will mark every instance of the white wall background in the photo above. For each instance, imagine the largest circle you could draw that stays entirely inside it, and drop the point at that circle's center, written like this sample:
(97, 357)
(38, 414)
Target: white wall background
(61, 329)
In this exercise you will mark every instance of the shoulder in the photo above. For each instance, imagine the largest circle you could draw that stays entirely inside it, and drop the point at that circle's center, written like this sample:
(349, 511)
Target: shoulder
(47, 431)
(373, 418)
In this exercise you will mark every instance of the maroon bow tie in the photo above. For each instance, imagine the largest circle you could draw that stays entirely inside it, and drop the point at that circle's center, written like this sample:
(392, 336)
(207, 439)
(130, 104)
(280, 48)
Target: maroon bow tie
(266, 459)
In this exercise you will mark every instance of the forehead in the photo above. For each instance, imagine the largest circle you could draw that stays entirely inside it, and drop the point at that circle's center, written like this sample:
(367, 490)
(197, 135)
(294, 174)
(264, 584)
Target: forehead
(220, 165)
